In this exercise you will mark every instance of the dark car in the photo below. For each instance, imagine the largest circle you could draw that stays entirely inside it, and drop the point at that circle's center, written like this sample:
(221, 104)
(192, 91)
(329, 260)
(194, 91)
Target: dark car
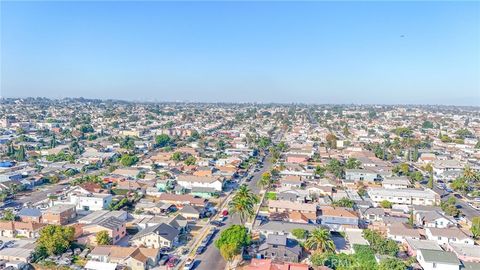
(217, 223)
(200, 250)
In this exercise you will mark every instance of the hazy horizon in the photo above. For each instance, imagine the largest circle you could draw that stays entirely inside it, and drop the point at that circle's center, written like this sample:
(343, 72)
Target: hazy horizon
(362, 53)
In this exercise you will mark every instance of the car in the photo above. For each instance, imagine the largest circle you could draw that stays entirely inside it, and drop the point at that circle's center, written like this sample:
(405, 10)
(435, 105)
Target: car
(172, 262)
(163, 260)
(217, 223)
(225, 212)
(200, 250)
(189, 263)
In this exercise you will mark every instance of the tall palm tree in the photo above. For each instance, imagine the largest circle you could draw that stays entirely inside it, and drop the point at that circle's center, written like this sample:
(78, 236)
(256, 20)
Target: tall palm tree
(243, 203)
(320, 240)
(470, 174)
(265, 180)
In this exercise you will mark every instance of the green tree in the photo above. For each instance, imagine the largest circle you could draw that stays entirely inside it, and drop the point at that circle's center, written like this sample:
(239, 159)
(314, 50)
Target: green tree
(264, 142)
(475, 228)
(430, 182)
(380, 244)
(265, 180)
(392, 264)
(20, 154)
(300, 233)
(386, 204)
(320, 240)
(243, 203)
(177, 156)
(352, 163)
(449, 207)
(103, 238)
(55, 239)
(344, 202)
(331, 141)
(9, 215)
(128, 160)
(229, 251)
(460, 184)
(190, 160)
(402, 169)
(427, 124)
(470, 175)
(231, 240)
(320, 171)
(416, 176)
(221, 145)
(335, 167)
(163, 140)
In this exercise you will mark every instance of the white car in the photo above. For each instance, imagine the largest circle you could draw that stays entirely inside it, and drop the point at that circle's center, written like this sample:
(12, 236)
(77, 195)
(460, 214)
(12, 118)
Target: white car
(189, 264)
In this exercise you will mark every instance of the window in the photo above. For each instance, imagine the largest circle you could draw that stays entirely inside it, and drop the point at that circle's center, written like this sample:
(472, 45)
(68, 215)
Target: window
(434, 265)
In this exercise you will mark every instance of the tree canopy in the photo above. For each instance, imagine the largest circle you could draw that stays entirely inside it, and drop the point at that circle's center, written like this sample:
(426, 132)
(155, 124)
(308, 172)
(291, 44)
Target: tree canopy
(54, 239)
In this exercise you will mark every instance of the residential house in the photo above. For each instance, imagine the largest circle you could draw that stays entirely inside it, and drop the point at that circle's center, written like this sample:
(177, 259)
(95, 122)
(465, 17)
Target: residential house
(20, 229)
(190, 212)
(396, 182)
(338, 218)
(465, 252)
(158, 236)
(181, 200)
(91, 201)
(433, 219)
(276, 207)
(283, 228)
(30, 215)
(115, 227)
(291, 181)
(191, 181)
(136, 258)
(269, 264)
(60, 214)
(279, 247)
(406, 196)
(413, 245)
(436, 259)
(400, 232)
(364, 175)
(444, 236)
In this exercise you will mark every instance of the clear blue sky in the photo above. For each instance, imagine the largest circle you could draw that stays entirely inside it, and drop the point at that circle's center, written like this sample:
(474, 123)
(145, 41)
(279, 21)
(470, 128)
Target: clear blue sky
(313, 52)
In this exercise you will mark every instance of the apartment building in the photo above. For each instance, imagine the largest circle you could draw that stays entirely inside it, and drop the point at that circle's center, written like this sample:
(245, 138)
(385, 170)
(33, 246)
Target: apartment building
(406, 196)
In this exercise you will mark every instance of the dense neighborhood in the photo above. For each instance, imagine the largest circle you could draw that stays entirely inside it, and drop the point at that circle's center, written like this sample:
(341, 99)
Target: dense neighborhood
(105, 184)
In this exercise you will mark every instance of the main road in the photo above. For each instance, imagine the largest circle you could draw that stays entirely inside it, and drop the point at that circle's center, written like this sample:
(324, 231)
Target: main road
(211, 258)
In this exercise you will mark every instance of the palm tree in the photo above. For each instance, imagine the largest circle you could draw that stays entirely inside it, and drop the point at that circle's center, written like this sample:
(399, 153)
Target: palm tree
(243, 203)
(265, 180)
(320, 240)
(470, 174)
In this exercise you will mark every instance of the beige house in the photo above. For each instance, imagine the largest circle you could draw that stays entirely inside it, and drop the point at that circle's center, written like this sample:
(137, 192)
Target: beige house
(158, 236)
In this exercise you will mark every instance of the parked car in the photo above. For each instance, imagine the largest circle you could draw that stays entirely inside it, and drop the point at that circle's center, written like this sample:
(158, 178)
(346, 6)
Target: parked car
(200, 250)
(189, 264)
(163, 260)
(217, 223)
(172, 262)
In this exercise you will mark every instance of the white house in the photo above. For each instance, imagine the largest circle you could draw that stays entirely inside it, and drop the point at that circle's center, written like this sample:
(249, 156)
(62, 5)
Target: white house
(437, 260)
(407, 196)
(91, 201)
(433, 219)
(448, 235)
(192, 181)
(395, 182)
